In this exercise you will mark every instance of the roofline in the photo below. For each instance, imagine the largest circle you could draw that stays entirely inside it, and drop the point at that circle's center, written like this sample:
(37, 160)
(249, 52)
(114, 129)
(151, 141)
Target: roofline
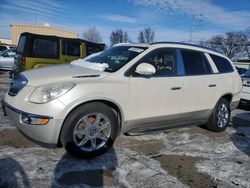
(187, 44)
(132, 44)
(33, 25)
(44, 35)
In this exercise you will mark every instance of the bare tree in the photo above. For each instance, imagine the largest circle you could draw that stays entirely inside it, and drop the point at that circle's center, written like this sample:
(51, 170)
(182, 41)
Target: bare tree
(141, 38)
(247, 47)
(119, 36)
(92, 35)
(146, 36)
(247, 50)
(233, 44)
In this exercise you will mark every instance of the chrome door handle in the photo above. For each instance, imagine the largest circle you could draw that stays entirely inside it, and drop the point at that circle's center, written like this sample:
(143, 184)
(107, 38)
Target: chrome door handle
(175, 88)
(212, 85)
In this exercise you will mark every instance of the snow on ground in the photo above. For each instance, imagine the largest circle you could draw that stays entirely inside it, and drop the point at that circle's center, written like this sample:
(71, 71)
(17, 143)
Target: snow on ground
(38, 167)
(133, 162)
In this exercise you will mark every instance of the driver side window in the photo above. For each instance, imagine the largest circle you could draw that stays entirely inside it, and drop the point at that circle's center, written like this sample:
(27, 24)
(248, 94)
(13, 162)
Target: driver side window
(164, 60)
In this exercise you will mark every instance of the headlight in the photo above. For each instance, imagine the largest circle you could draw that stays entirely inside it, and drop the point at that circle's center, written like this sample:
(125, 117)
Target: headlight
(50, 92)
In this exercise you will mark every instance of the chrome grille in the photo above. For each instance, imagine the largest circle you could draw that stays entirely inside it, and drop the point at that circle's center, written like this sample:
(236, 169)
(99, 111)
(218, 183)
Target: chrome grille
(17, 84)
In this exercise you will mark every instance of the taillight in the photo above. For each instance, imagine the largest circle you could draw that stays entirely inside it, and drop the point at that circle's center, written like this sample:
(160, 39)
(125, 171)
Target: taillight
(23, 61)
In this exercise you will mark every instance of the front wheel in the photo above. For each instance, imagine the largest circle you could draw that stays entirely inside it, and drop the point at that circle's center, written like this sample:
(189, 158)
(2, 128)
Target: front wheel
(90, 130)
(220, 117)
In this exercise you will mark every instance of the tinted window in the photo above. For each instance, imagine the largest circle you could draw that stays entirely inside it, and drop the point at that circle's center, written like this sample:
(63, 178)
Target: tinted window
(206, 64)
(9, 53)
(21, 44)
(92, 49)
(195, 63)
(222, 64)
(2, 48)
(71, 48)
(45, 48)
(164, 60)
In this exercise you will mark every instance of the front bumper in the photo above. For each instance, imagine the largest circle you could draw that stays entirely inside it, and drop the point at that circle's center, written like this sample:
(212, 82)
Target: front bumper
(46, 135)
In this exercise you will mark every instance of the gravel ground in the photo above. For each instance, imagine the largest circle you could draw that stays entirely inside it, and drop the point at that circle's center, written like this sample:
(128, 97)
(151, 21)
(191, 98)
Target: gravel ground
(187, 157)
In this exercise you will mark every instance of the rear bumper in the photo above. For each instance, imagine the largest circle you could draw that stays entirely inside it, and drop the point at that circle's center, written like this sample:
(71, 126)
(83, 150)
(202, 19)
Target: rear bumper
(5, 68)
(45, 135)
(245, 96)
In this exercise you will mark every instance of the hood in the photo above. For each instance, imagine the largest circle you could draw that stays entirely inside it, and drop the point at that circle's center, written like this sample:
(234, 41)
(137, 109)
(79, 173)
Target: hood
(58, 73)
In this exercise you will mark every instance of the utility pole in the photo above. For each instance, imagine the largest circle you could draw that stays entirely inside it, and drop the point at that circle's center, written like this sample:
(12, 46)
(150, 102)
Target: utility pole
(192, 28)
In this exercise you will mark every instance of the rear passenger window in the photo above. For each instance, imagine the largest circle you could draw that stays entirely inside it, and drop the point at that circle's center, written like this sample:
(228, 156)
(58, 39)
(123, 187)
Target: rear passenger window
(71, 48)
(195, 63)
(2, 48)
(222, 64)
(45, 48)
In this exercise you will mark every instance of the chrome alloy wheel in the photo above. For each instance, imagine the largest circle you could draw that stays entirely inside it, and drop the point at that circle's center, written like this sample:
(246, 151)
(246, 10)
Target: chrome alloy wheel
(92, 132)
(222, 115)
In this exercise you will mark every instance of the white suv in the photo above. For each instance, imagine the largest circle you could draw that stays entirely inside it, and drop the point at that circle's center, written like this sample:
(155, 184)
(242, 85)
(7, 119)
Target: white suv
(245, 92)
(126, 88)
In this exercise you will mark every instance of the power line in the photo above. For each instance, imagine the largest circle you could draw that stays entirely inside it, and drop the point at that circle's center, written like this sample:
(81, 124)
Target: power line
(193, 25)
(192, 28)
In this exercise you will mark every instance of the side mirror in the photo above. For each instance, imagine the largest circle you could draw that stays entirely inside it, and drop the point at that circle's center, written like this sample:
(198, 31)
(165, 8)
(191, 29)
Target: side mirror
(145, 69)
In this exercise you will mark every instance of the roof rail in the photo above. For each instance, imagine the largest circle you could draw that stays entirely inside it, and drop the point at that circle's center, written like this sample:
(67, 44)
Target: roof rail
(184, 43)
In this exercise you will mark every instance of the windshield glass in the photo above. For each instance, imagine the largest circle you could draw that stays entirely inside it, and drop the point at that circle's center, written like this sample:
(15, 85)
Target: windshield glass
(116, 57)
(246, 74)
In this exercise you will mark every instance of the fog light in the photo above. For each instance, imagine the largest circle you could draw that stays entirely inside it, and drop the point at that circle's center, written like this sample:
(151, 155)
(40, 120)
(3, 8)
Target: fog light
(34, 120)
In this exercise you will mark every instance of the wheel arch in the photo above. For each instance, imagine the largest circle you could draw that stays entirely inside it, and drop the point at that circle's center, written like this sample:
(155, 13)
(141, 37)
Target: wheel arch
(112, 104)
(227, 96)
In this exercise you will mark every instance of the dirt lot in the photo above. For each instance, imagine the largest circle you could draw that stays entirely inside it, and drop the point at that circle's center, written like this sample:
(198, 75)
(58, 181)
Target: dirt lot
(187, 157)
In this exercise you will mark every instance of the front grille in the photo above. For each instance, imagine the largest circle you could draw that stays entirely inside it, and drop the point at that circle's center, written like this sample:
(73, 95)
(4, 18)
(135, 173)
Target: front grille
(17, 84)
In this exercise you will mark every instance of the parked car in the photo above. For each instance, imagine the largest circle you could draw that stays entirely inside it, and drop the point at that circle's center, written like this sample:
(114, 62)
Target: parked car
(36, 51)
(245, 92)
(4, 47)
(241, 70)
(7, 59)
(126, 88)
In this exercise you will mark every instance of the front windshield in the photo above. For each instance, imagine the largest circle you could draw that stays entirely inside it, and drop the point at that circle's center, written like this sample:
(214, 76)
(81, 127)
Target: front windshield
(246, 74)
(116, 57)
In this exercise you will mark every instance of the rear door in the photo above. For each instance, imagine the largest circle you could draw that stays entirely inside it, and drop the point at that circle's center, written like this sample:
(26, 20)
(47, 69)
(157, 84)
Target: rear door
(200, 85)
(71, 50)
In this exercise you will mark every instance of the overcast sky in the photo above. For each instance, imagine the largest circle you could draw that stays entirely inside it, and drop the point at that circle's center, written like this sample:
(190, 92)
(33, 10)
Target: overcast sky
(171, 19)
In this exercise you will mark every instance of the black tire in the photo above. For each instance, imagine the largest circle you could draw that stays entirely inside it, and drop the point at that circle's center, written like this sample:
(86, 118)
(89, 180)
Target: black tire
(67, 133)
(213, 124)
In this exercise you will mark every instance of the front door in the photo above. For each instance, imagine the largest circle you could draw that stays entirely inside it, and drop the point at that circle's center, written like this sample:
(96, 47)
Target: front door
(157, 98)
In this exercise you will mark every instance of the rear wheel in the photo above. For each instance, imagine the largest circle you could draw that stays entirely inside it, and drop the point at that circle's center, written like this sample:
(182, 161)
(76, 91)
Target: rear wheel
(90, 130)
(220, 117)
